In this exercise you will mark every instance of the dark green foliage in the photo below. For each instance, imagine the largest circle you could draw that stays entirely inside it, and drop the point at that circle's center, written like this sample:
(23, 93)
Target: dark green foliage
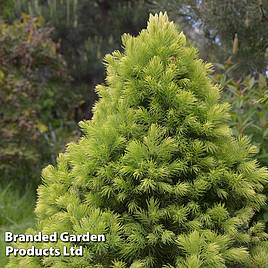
(6, 8)
(157, 170)
(32, 78)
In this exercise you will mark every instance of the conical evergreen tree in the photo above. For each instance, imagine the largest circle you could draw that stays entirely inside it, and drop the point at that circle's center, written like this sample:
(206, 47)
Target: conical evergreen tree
(157, 170)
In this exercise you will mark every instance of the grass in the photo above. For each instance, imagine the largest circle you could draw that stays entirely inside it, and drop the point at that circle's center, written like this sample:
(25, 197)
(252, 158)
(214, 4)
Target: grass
(16, 213)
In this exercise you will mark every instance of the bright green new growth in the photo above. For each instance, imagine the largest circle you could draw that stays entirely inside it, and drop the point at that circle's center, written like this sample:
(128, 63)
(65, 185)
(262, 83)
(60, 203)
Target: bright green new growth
(157, 170)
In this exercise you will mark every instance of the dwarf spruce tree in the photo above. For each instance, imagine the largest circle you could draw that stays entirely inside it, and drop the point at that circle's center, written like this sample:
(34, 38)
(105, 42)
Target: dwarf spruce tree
(157, 169)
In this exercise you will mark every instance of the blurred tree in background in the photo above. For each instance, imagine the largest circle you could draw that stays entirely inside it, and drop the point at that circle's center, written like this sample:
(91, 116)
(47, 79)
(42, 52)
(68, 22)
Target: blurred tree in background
(33, 103)
(87, 30)
(222, 29)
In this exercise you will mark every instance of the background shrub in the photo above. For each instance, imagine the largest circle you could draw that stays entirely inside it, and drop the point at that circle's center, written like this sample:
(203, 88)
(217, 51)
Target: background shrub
(249, 111)
(34, 99)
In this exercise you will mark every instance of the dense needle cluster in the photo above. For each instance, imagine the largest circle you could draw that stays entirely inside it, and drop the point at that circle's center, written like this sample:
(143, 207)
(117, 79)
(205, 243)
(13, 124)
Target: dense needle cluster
(157, 169)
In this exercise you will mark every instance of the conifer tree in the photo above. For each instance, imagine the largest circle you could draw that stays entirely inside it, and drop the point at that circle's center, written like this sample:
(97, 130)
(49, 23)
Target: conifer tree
(157, 169)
